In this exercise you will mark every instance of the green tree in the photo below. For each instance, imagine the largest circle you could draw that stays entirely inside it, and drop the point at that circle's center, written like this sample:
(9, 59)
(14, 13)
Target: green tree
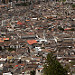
(11, 49)
(53, 67)
(0, 48)
(60, 28)
(73, 6)
(16, 0)
(32, 72)
(72, 29)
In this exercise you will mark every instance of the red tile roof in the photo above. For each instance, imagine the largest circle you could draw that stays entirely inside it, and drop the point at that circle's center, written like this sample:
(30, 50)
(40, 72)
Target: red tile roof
(67, 29)
(5, 38)
(19, 23)
(31, 41)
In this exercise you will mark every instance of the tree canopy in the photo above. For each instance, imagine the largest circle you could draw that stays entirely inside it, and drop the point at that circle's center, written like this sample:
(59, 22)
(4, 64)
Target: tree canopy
(11, 49)
(53, 67)
(32, 72)
(60, 28)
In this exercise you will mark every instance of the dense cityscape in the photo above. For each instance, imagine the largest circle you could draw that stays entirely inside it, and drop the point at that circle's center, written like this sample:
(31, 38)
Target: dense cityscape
(37, 37)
